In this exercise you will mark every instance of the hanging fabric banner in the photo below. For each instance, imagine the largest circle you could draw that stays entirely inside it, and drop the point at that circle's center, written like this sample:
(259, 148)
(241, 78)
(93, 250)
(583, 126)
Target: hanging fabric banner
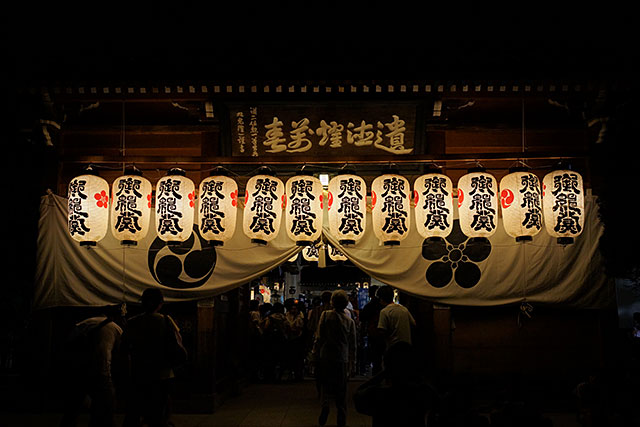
(459, 271)
(454, 271)
(70, 275)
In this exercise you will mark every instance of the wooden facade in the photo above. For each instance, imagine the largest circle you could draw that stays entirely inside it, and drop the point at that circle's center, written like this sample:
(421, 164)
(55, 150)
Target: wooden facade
(459, 125)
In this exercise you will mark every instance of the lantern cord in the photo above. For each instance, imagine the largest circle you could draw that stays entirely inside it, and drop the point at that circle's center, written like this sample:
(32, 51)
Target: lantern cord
(525, 308)
(220, 167)
(524, 272)
(124, 276)
(523, 128)
(124, 148)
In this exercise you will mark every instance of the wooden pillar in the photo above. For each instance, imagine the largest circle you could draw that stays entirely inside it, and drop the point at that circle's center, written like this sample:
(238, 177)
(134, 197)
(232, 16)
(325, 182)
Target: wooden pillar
(442, 329)
(423, 334)
(206, 357)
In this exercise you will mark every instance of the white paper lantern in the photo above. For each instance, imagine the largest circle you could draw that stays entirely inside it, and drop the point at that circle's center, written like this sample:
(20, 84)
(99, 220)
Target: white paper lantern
(478, 204)
(391, 209)
(311, 253)
(563, 202)
(432, 194)
(336, 254)
(175, 207)
(130, 208)
(218, 202)
(263, 206)
(88, 209)
(521, 200)
(303, 211)
(347, 208)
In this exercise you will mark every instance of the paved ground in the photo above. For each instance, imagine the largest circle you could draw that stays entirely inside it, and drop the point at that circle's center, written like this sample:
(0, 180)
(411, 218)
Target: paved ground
(286, 404)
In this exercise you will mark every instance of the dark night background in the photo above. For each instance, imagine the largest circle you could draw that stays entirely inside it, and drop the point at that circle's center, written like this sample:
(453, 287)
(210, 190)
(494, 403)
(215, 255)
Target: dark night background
(143, 42)
(327, 41)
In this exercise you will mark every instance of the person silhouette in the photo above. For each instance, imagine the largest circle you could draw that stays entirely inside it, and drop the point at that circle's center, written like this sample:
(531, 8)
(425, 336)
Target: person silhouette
(145, 341)
(334, 353)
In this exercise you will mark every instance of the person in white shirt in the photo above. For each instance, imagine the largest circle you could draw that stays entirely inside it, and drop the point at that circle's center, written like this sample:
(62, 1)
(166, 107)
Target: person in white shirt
(396, 322)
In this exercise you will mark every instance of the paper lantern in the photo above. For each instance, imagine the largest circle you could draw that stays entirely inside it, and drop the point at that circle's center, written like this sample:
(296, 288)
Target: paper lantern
(311, 253)
(521, 201)
(432, 195)
(130, 207)
(263, 206)
(390, 208)
(347, 208)
(303, 211)
(218, 202)
(478, 204)
(175, 207)
(88, 208)
(336, 254)
(563, 203)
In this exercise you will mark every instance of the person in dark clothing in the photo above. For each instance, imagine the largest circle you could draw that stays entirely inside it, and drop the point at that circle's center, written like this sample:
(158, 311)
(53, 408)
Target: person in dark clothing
(255, 340)
(92, 358)
(274, 334)
(398, 395)
(294, 350)
(334, 352)
(635, 337)
(145, 340)
(369, 316)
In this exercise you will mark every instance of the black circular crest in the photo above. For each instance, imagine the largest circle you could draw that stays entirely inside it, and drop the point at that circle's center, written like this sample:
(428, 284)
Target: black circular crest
(185, 266)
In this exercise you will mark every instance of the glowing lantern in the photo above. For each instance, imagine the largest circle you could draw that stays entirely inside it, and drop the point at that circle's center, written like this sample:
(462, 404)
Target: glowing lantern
(88, 213)
(336, 254)
(311, 253)
(347, 208)
(218, 196)
(521, 200)
(175, 207)
(303, 212)
(390, 208)
(130, 207)
(478, 204)
(432, 195)
(563, 202)
(264, 201)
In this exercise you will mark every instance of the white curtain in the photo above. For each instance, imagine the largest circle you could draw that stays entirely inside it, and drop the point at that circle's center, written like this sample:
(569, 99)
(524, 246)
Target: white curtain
(540, 271)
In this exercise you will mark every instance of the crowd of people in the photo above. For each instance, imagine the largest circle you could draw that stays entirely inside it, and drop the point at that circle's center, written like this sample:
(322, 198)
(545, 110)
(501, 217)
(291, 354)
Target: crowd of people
(330, 340)
(333, 340)
(139, 354)
(283, 334)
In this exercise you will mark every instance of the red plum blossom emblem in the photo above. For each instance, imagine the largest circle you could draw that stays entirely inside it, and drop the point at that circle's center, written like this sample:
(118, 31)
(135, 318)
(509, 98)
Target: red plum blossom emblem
(102, 199)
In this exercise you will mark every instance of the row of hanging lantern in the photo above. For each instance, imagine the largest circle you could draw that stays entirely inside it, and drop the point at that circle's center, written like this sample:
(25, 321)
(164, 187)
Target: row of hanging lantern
(311, 253)
(526, 205)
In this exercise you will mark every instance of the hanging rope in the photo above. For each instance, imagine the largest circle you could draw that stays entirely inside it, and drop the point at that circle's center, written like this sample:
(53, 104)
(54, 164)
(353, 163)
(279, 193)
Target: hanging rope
(124, 248)
(525, 308)
(524, 148)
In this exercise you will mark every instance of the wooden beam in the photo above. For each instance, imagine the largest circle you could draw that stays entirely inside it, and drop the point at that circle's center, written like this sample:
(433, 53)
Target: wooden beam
(142, 130)
(558, 154)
